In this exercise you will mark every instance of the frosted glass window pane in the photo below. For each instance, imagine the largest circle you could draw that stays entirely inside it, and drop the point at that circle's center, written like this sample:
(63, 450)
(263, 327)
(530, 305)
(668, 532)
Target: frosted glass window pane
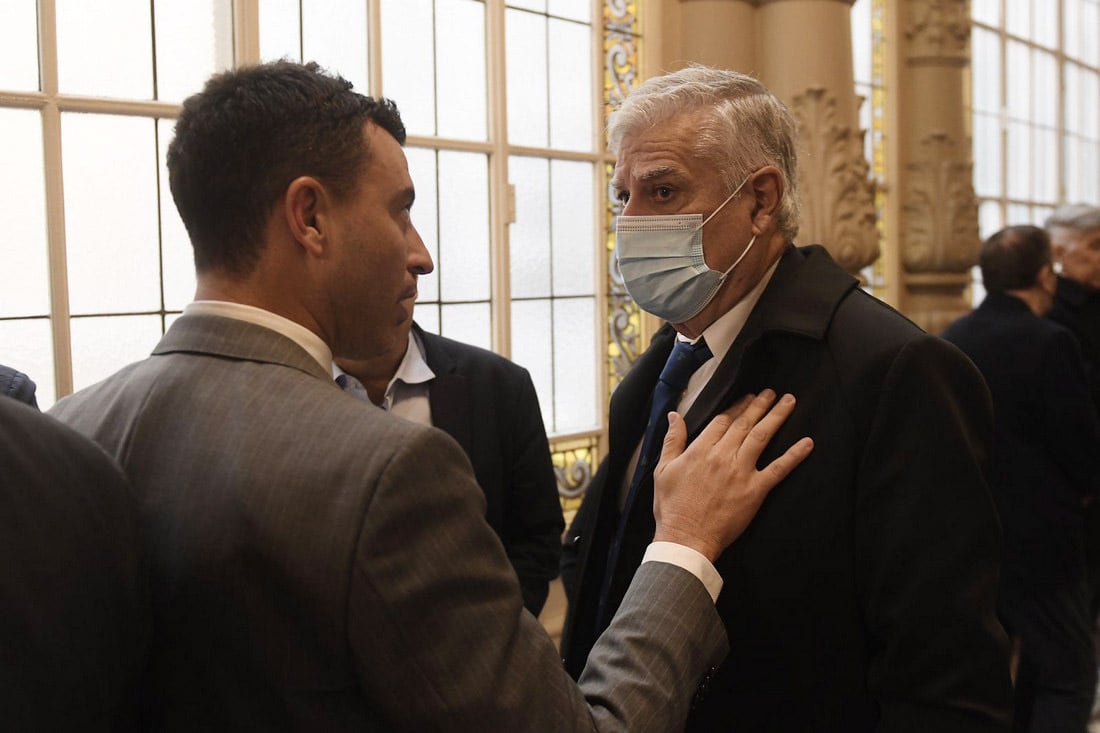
(529, 235)
(18, 45)
(1045, 23)
(460, 69)
(24, 274)
(1017, 17)
(986, 11)
(28, 347)
(334, 34)
(178, 256)
(987, 155)
(977, 290)
(573, 9)
(989, 219)
(105, 344)
(1090, 37)
(468, 323)
(1089, 89)
(408, 75)
(1045, 103)
(1073, 113)
(1071, 18)
(525, 45)
(105, 49)
(194, 40)
(1018, 78)
(426, 316)
(463, 226)
(533, 349)
(1044, 157)
(1018, 214)
(113, 261)
(575, 365)
(280, 30)
(1018, 162)
(539, 5)
(1082, 164)
(571, 195)
(987, 71)
(861, 41)
(425, 213)
(570, 86)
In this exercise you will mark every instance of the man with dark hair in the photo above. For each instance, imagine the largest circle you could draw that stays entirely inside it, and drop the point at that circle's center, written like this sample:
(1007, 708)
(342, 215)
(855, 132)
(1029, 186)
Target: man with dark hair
(1045, 464)
(866, 585)
(321, 566)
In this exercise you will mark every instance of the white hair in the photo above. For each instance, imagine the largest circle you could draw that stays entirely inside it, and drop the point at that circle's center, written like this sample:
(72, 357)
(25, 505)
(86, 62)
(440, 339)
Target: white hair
(743, 128)
(1079, 217)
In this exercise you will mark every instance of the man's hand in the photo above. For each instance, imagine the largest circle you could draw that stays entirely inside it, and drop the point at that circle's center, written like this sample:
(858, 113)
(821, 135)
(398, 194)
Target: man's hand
(705, 496)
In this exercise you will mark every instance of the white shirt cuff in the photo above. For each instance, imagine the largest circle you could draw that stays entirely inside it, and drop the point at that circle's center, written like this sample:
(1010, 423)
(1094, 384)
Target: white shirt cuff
(688, 559)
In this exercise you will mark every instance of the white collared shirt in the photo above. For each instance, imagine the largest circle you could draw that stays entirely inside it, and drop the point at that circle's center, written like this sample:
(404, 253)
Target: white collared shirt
(296, 332)
(407, 392)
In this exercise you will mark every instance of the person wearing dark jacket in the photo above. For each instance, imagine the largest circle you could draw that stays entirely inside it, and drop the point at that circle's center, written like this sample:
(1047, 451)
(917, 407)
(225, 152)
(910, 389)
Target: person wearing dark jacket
(1045, 466)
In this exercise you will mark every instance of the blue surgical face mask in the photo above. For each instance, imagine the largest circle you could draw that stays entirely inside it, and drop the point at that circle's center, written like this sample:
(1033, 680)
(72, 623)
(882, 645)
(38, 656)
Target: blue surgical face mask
(661, 259)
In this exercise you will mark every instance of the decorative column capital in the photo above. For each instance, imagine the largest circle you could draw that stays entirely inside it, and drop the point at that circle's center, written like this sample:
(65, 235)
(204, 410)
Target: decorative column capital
(838, 194)
(938, 30)
(941, 209)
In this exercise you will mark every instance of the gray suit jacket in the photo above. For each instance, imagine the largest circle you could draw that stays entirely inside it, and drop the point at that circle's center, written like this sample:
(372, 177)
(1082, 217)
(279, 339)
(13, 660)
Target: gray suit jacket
(321, 566)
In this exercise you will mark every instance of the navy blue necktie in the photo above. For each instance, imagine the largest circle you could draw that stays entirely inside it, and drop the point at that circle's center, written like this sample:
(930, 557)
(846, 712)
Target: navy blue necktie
(353, 386)
(636, 528)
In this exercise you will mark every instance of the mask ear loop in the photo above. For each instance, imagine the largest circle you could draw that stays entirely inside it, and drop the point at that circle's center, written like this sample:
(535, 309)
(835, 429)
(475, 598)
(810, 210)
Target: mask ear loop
(723, 204)
(720, 207)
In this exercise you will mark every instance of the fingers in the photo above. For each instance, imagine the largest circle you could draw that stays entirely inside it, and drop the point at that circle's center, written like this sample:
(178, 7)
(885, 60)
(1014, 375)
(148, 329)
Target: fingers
(675, 440)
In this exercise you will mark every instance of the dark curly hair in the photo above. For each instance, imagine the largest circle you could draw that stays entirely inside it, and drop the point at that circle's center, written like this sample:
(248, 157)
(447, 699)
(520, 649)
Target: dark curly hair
(251, 131)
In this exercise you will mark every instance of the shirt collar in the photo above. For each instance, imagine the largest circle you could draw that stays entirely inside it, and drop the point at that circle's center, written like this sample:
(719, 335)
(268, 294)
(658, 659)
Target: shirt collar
(413, 369)
(313, 344)
(721, 334)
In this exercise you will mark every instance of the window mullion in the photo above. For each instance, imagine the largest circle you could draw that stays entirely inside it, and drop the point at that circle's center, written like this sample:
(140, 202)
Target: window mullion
(500, 203)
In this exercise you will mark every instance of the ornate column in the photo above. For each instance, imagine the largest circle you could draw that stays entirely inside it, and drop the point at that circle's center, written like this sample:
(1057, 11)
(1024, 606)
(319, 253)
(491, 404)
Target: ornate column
(939, 211)
(816, 82)
(717, 33)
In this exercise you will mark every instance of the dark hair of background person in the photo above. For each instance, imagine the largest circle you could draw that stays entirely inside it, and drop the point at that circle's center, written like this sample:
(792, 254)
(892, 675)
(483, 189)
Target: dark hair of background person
(251, 131)
(1012, 258)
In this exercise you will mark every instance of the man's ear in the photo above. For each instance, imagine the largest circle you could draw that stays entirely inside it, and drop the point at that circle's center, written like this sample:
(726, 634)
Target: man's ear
(767, 190)
(307, 207)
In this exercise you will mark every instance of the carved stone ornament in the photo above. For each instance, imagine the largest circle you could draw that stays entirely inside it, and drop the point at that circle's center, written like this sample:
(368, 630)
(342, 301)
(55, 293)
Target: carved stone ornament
(838, 196)
(940, 209)
(938, 29)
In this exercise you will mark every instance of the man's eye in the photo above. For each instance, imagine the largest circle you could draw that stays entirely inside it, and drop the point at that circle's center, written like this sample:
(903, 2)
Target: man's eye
(623, 196)
(663, 192)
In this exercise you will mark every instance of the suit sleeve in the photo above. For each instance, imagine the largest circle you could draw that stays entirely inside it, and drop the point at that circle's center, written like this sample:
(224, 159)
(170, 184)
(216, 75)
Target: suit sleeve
(442, 641)
(1071, 430)
(533, 522)
(928, 548)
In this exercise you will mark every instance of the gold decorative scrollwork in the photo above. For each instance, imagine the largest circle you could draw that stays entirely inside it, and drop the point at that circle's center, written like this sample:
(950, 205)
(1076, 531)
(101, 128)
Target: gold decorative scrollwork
(573, 463)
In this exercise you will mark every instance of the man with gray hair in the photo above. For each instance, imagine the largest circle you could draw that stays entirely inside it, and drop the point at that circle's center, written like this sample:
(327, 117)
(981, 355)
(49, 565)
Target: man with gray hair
(865, 591)
(1075, 238)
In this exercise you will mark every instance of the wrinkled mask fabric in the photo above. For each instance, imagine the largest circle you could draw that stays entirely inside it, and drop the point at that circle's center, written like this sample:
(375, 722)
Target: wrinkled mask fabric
(661, 260)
